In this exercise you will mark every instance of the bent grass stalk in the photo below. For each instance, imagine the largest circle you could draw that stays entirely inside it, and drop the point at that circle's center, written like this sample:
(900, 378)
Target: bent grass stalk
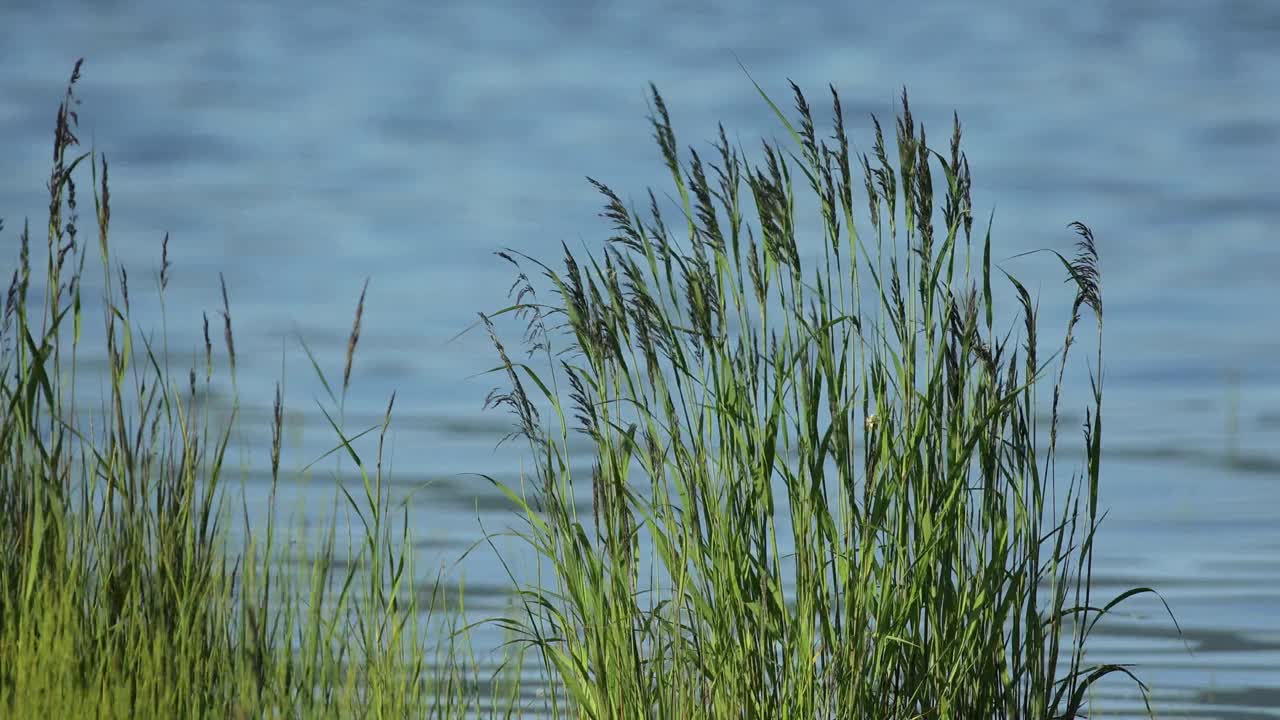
(828, 468)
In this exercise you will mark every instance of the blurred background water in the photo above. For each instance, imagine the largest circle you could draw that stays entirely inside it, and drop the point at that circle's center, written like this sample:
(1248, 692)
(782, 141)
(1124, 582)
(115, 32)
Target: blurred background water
(298, 148)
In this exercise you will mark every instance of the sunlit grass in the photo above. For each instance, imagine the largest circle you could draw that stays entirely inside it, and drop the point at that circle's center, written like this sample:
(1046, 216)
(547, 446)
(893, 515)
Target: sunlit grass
(818, 488)
(121, 594)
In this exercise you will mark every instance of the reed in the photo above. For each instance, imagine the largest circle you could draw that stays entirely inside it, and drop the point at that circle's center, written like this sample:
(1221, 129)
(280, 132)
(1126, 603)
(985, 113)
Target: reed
(820, 485)
(122, 592)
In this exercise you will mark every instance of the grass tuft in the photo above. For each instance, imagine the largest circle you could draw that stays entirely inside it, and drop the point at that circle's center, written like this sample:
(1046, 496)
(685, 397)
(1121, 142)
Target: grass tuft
(818, 482)
(818, 486)
(124, 592)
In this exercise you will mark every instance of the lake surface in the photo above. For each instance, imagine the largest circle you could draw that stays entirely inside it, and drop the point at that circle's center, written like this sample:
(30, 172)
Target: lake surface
(298, 148)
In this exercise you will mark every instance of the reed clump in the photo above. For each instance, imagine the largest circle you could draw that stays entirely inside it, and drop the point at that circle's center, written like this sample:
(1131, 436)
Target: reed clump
(120, 595)
(819, 489)
(820, 485)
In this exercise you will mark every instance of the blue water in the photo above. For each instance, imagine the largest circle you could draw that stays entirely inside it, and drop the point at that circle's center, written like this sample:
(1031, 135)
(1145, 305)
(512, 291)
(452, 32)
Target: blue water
(298, 148)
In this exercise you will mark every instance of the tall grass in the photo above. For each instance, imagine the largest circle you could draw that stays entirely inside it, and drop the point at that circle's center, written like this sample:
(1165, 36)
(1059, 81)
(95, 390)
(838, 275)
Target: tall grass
(802, 506)
(822, 486)
(122, 592)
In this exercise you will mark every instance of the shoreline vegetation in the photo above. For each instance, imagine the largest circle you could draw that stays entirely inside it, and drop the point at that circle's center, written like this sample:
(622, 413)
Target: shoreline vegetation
(819, 488)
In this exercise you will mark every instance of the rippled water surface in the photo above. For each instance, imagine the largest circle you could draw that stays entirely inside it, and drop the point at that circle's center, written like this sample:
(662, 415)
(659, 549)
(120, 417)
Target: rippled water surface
(299, 148)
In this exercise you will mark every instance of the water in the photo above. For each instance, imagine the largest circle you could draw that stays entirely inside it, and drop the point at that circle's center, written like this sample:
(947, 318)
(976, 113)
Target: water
(298, 149)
